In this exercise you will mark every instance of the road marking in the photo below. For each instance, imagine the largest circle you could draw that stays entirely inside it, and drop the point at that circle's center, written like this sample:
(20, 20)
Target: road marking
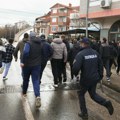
(26, 108)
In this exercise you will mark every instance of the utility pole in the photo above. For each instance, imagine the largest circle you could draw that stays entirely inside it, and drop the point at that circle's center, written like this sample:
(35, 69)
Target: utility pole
(87, 12)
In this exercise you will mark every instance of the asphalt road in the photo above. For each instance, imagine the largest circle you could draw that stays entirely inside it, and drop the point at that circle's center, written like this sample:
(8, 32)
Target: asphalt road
(57, 104)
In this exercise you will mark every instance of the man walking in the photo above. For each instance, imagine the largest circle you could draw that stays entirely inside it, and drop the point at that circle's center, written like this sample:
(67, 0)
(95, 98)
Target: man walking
(46, 53)
(8, 58)
(90, 64)
(31, 65)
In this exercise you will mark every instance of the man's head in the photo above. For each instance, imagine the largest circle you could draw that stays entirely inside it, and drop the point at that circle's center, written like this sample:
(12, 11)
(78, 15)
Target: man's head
(26, 35)
(85, 42)
(11, 40)
(104, 40)
(32, 34)
(42, 36)
(63, 37)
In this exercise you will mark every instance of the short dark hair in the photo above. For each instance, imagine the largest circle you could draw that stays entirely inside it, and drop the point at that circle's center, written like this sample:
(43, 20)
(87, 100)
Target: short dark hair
(26, 35)
(42, 36)
(11, 40)
(104, 40)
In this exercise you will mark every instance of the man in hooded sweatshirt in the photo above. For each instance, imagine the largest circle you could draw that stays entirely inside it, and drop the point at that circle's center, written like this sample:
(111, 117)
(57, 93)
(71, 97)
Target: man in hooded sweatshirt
(20, 46)
(31, 66)
(59, 52)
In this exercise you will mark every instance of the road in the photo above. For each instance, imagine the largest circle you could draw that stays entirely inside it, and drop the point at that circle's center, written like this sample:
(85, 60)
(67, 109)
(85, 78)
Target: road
(57, 104)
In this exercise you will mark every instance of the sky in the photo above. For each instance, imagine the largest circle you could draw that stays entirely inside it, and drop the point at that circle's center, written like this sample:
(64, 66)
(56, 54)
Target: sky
(12, 11)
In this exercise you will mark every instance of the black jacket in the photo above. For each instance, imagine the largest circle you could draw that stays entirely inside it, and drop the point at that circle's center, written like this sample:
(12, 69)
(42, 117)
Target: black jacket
(46, 51)
(73, 52)
(32, 53)
(90, 64)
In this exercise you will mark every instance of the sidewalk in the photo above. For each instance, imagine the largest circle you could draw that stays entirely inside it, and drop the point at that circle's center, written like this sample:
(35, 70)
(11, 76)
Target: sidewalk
(114, 83)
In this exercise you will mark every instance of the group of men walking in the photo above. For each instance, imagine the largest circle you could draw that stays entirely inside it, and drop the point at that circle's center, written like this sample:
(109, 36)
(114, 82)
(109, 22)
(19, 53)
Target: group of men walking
(36, 51)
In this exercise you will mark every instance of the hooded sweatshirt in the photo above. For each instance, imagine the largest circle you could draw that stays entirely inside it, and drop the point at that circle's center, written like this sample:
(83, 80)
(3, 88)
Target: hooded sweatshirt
(59, 49)
(20, 46)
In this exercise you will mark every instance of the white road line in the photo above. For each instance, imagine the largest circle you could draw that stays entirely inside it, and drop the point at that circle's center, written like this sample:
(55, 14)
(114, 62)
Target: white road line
(27, 110)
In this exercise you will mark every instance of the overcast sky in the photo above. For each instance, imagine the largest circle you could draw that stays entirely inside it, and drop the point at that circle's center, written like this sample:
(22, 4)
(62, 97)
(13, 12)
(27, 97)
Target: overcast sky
(11, 10)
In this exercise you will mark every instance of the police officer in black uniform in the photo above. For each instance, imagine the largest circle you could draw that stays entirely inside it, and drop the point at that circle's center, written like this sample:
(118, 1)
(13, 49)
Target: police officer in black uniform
(90, 64)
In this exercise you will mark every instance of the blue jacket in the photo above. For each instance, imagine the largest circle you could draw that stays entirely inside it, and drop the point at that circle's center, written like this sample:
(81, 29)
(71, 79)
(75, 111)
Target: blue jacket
(90, 64)
(46, 51)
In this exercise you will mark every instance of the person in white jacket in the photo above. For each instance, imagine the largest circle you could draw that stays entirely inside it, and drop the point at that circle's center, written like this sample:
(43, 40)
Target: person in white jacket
(59, 53)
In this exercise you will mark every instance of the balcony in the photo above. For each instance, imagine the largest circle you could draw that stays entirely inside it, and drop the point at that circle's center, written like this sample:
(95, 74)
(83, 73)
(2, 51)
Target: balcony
(62, 23)
(62, 14)
(74, 16)
(74, 24)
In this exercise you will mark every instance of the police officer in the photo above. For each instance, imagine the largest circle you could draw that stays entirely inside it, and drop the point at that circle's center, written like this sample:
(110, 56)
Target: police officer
(90, 64)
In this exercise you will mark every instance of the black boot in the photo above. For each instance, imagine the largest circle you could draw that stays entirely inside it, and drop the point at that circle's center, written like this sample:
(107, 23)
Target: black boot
(83, 116)
(109, 106)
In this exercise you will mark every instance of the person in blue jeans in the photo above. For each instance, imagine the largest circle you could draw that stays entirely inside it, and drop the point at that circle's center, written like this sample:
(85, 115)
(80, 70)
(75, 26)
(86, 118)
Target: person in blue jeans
(8, 58)
(31, 66)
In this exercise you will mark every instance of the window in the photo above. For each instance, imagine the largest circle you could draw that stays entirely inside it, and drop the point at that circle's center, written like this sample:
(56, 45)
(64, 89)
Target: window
(54, 29)
(62, 28)
(63, 10)
(62, 19)
(54, 19)
(54, 11)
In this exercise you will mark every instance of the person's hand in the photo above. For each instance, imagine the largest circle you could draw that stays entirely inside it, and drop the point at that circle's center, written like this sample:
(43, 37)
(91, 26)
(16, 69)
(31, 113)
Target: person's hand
(22, 65)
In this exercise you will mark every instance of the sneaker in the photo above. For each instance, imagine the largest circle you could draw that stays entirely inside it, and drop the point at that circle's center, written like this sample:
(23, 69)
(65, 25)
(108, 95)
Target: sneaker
(4, 78)
(38, 102)
(24, 95)
(55, 85)
(83, 116)
(108, 79)
(109, 106)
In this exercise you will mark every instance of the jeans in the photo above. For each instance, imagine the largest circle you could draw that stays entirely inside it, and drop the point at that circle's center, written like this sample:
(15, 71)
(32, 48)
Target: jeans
(35, 74)
(6, 67)
(93, 95)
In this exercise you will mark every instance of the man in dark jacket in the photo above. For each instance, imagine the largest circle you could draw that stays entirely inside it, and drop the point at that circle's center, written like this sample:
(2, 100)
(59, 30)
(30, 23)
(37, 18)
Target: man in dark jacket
(31, 65)
(20, 46)
(73, 52)
(46, 54)
(64, 63)
(105, 55)
(90, 64)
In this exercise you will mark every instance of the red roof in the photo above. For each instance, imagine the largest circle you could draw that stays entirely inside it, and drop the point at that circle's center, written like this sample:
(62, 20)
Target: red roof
(60, 5)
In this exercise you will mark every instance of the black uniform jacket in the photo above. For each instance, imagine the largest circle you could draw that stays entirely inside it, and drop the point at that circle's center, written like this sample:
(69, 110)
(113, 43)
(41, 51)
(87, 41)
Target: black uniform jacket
(90, 64)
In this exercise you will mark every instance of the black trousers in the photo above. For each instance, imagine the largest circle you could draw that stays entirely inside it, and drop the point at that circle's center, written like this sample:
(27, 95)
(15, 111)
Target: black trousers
(43, 65)
(56, 65)
(106, 64)
(118, 62)
(92, 92)
(64, 71)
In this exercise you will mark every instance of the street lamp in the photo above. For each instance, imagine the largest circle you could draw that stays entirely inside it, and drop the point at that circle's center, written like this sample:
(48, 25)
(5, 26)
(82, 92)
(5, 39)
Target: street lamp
(87, 11)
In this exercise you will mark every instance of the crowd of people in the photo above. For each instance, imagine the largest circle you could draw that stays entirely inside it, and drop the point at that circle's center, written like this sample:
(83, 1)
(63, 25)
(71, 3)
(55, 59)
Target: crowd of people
(87, 56)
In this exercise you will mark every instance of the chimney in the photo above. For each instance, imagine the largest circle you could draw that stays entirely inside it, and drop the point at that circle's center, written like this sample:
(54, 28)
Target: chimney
(70, 5)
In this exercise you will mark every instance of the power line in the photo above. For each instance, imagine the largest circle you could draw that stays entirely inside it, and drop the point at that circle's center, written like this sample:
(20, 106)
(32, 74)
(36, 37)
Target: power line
(10, 10)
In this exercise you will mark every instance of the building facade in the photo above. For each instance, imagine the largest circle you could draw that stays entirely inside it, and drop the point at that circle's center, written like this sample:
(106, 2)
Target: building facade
(60, 18)
(106, 13)
(42, 25)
